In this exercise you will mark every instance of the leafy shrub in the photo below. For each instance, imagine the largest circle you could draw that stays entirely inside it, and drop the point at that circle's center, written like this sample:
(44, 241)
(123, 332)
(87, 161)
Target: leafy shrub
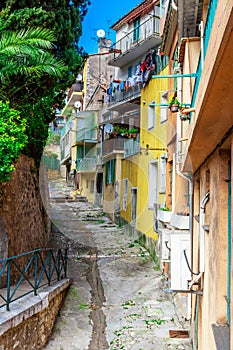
(12, 139)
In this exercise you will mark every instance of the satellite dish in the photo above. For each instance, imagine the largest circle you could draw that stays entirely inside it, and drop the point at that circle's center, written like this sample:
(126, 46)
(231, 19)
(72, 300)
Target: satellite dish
(79, 77)
(100, 33)
(77, 104)
(108, 128)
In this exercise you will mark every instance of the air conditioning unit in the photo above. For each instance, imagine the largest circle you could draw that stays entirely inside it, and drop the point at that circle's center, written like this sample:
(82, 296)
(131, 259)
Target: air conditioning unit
(180, 258)
(164, 244)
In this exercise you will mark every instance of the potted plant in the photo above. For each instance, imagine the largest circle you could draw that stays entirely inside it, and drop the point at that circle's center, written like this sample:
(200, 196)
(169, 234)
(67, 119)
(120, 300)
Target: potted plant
(174, 104)
(125, 133)
(133, 132)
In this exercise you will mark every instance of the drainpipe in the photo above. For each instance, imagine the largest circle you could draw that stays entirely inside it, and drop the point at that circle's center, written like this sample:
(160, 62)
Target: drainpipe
(174, 5)
(204, 201)
(189, 177)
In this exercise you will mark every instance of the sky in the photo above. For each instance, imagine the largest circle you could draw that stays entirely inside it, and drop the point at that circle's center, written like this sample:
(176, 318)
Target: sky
(102, 14)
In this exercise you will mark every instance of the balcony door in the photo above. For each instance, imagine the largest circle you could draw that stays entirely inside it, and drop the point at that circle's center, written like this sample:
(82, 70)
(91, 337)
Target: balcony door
(152, 184)
(133, 205)
(136, 29)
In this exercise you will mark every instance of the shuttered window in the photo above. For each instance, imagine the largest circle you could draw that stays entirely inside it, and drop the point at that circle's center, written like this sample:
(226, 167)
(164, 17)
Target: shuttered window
(110, 172)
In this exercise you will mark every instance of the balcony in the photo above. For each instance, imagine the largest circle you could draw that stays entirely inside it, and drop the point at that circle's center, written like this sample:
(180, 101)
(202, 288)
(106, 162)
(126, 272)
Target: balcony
(86, 165)
(113, 146)
(74, 97)
(133, 93)
(87, 135)
(212, 97)
(65, 154)
(131, 147)
(135, 43)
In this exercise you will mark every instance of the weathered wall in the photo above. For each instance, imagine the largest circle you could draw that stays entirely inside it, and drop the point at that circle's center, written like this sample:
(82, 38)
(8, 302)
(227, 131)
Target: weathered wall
(31, 327)
(26, 225)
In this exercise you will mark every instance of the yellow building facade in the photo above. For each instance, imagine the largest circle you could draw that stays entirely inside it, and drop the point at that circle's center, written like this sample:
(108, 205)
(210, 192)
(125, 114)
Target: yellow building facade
(143, 182)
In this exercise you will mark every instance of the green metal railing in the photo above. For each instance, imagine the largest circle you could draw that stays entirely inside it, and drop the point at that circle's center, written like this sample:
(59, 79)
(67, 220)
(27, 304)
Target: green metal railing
(35, 269)
(51, 162)
(208, 28)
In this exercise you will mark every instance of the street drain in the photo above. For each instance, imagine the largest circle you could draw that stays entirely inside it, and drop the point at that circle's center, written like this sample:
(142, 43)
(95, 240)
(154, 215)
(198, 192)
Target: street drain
(178, 334)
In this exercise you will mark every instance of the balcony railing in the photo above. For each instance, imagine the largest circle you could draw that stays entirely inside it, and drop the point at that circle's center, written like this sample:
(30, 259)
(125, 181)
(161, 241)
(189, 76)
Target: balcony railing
(86, 164)
(113, 145)
(208, 27)
(31, 271)
(142, 33)
(131, 93)
(87, 134)
(65, 153)
(131, 147)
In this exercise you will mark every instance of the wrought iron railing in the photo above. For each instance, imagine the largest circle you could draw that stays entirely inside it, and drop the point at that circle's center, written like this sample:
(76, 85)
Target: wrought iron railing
(131, 93)
(31, 270)
(145, 30)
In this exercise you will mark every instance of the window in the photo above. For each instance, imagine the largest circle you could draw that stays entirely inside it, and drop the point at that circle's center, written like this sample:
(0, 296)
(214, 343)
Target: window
(130, 71)
(152, 184)
(125, 186)
(92, 186)
(136, 29)
(133, 205)
(124, 200)
(124, 203)
(151, 115)
(163, 109)
(110, 172)
(162, 173)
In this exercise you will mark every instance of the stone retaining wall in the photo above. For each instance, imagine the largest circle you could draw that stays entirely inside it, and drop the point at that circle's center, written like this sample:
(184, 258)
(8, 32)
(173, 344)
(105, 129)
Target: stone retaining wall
(29, 323)
(24, 223)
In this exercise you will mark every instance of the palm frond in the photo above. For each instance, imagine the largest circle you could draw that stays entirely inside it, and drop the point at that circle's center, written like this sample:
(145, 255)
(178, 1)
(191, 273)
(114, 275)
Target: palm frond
(15, 42)
(44, 63)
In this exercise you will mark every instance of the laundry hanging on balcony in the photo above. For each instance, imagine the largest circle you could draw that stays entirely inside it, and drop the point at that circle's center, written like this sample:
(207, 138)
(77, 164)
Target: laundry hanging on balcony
(147, 67)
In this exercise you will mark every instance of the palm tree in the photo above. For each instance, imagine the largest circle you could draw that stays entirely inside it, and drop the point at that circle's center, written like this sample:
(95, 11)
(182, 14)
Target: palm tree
(26, 53)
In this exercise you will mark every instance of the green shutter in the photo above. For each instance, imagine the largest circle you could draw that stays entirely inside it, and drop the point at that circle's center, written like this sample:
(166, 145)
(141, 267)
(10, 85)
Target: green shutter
(106, 173)
(113, 171)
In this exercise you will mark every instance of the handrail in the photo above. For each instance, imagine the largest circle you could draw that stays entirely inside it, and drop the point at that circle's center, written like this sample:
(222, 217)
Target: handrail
(41, 268)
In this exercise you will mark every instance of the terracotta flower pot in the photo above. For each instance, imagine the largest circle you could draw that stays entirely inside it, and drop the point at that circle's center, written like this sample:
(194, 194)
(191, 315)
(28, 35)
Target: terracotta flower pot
(174, 108)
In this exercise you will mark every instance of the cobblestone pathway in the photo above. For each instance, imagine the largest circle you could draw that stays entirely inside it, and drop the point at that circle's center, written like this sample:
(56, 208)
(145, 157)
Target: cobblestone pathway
(116, 301)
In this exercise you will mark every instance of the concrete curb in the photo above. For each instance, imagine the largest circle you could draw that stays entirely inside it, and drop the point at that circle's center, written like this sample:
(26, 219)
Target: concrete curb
(30, 305)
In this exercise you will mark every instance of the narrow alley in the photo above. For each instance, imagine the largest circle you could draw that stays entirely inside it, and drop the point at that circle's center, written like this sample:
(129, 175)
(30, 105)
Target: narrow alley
(116, 300)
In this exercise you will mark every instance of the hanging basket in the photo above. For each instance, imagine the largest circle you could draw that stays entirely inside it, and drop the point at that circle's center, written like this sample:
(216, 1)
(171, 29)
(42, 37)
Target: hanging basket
(174, 108)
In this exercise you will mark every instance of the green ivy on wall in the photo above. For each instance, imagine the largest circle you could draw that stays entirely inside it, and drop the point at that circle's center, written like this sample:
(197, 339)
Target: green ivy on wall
(12, 139)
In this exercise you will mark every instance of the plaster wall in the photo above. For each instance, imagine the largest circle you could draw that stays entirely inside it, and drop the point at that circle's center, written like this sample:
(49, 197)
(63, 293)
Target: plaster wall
(212, 306)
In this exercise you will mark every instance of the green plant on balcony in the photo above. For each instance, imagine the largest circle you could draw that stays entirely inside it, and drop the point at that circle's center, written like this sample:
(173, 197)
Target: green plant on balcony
(174, 104)
(133, 132)
(119, 131)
